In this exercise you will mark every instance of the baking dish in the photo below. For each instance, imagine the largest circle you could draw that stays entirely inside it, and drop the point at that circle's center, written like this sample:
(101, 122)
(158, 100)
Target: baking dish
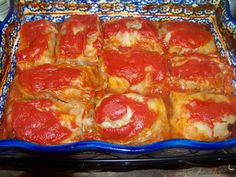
(214, 13)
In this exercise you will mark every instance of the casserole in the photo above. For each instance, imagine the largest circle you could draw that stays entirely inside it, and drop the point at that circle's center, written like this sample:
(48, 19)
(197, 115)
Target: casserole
(214, 13)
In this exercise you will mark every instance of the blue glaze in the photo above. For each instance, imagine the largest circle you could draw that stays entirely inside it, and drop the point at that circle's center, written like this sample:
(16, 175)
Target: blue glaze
(134, 7)
(104, 146)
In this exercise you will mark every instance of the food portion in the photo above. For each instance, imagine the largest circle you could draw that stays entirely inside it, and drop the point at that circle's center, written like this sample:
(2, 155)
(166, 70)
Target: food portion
(197, 72)
(37, 44)
(45, 121)
(62, 81)
(202, 116)
(134, 70)
(129, 81)
(137, 33)
(183, 37)
(79, 40)
(130, 119)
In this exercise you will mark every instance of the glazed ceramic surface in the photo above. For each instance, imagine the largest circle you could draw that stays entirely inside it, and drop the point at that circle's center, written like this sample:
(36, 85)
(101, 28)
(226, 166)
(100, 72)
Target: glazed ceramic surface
(215, 13)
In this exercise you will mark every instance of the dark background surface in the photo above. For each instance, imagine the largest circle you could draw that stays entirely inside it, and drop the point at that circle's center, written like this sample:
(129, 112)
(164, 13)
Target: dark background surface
(222, 171)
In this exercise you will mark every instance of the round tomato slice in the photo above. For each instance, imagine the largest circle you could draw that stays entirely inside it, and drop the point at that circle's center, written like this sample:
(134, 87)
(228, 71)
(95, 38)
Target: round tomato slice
(32, 121)
(120, 117)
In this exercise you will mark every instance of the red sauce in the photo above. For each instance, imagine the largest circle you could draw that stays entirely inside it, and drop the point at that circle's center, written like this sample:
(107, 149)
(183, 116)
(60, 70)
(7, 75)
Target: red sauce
(131, 65)
(47, 77)
(188, 34)
(32, 122)
(193, 69)
(182, 25)
(34, 38)
(115, 107)
(72, 45)
(147, 28)
(209, 111)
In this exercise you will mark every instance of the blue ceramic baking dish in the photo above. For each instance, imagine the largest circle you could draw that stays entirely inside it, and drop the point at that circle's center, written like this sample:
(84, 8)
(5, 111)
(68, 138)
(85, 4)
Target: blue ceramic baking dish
(215, 13)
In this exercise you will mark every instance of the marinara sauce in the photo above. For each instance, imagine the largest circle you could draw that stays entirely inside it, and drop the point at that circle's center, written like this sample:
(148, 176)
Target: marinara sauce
(209, 111)
(132, 65)
(114, 108)
(48, 77)
(32, 121)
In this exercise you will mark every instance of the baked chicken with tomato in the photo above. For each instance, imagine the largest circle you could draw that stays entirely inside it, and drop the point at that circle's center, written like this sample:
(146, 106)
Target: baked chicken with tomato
(79, 40)
(139, 71)
(137, 33)
(202, 116)
(129, 119)
(37, 44)
(184, 37)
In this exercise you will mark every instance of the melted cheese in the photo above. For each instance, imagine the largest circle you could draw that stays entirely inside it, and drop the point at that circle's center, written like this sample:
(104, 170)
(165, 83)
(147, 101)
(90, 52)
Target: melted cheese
(134, 25)
(159, 130)
(118, 84)
(127, 39)
(108, 123)
(167, 38)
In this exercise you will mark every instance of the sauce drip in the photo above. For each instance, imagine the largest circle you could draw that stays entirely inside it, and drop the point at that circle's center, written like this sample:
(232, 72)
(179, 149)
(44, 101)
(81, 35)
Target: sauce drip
(114, 108)
(47, 77)
(132, 65)
(33, 122)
